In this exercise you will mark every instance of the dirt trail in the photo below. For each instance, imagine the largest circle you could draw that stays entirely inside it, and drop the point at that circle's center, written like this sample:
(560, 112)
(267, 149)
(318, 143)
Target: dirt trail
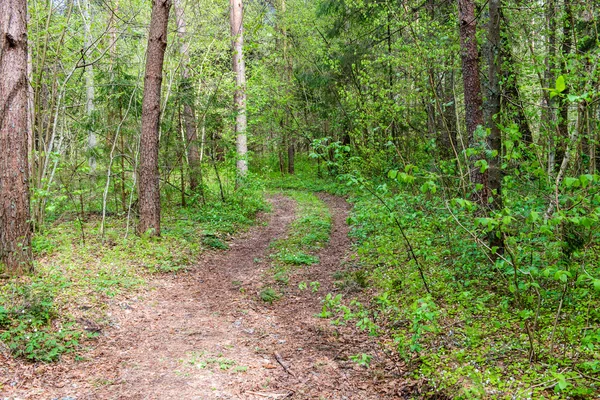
(205, 334)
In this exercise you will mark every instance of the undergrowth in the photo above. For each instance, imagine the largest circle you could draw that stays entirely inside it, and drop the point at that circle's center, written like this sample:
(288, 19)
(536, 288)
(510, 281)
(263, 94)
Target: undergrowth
(78, 270)
(525, 324)
(472, 328)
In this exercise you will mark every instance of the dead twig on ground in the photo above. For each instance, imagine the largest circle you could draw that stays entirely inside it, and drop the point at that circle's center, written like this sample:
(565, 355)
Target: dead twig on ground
(280, 361)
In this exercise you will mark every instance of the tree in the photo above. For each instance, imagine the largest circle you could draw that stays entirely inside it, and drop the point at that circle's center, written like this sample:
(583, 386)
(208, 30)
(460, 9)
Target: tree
(493, 113)
(189, 117)
(15, 232)
(472, 92)
(237, 44)
(149, 187)
(89, 84)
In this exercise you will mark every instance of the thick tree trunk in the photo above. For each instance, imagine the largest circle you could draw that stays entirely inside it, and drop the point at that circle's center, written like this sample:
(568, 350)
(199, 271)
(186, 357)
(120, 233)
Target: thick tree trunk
(149, 194)
(15, 232)
(472, 92)
(237, 44)
(189, 116)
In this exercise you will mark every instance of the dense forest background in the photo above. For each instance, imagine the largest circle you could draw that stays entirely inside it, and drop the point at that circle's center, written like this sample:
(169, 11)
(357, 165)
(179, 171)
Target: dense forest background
(465, 133)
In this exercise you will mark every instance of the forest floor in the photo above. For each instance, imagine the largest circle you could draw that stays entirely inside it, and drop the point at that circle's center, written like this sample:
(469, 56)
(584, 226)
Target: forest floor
(206, 334)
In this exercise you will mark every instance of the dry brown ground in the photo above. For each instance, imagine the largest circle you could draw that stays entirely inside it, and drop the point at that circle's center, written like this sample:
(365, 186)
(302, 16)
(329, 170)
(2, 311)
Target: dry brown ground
(205, 334)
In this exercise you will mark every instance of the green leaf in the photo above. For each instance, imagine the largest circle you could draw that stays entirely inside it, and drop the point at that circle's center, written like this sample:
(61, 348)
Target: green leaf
(560, 84)
(533, 216)
(570, 182)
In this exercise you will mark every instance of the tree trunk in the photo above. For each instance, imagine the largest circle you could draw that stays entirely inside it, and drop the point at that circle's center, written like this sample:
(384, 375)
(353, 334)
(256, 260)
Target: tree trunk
(472, 93)
(149, 193)
(291, 153)
(563, 118)
(237, 44)
(189, 115)
(510, 100)
(15, 232)
(548, 112)
(493, 113)
(89, 85)
(493, 101)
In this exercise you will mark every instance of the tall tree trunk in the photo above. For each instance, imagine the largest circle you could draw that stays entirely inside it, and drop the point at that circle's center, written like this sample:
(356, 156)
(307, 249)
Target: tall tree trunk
(510, 100)
(237, 44)
(89, 85)
(549, 112)
(472, 93)
(493, 101)
(563, 120)
(15, 232)
(493, 113)
(30, 105)
(189, 116)
(149, 193)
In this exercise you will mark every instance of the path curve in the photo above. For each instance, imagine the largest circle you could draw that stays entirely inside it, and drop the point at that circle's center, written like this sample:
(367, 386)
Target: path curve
(204, 334)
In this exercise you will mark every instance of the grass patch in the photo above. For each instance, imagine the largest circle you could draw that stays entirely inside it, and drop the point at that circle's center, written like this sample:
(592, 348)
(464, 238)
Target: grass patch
(269, 295)
(307, 235)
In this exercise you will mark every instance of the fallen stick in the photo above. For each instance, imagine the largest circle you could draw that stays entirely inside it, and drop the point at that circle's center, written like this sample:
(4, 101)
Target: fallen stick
(280, 361)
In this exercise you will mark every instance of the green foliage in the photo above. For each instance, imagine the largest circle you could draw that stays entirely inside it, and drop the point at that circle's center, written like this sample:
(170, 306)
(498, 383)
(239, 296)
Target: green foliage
(362, 359)
(26, 325)
(80, 269)
(299, 258)
(269, 295)
(479, 311)
(214, 242)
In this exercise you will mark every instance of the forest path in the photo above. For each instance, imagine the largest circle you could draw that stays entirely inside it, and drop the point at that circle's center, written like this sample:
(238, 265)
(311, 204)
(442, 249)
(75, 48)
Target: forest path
(205, 334)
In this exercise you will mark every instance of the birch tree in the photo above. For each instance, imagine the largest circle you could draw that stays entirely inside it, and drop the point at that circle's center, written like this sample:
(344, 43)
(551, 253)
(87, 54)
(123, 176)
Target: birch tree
(239, 99)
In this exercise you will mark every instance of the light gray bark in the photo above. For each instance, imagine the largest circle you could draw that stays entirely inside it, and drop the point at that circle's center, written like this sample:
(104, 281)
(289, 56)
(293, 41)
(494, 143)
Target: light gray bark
(237, 34)
(92, 142)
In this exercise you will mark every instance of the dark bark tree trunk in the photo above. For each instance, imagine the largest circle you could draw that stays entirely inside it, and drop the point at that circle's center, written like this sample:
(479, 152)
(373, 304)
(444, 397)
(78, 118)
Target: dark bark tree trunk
(291, 154)
(472, 93)
(15, 231)
(493, 113)
(493, 102)
(149, 192)
(239, 68)
(189, 115)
